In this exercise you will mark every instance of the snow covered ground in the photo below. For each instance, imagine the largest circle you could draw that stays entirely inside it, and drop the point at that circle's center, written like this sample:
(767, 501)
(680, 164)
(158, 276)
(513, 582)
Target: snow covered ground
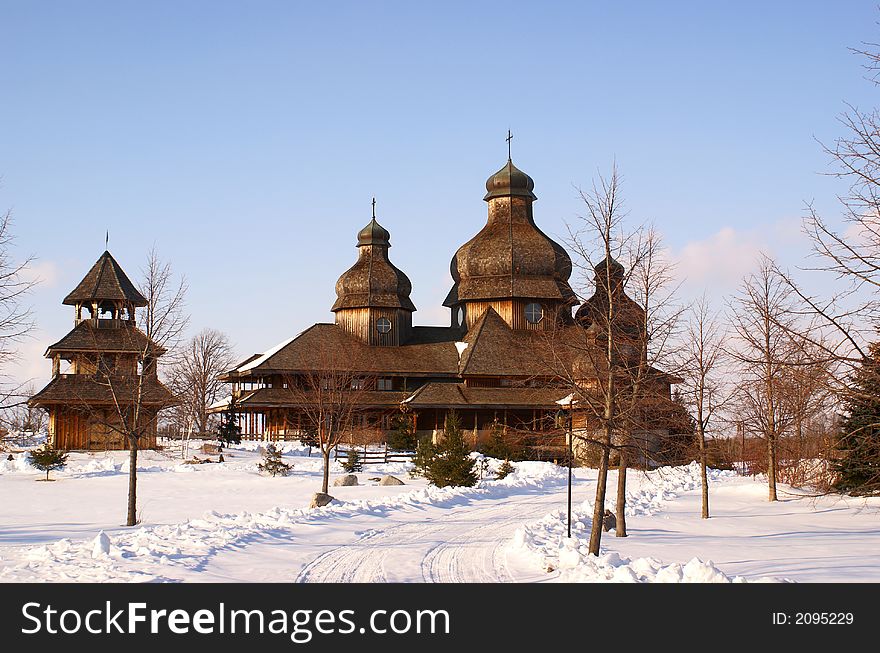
(226, 522)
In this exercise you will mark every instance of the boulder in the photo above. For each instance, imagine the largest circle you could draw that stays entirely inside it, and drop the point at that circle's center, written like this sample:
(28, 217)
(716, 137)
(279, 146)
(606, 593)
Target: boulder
(390, 480)
(609, 521)
(320, 500)
(345, 481)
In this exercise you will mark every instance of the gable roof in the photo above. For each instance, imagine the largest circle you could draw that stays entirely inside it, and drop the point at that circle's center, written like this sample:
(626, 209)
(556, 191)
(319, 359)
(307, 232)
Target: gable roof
(105, 281)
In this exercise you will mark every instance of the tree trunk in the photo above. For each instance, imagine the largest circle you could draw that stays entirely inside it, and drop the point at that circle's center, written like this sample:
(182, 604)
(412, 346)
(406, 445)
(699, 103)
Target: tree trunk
(131, 520)
(771, 466)
(620, 508)
(601, 484)
(325, 483)
(703, 476)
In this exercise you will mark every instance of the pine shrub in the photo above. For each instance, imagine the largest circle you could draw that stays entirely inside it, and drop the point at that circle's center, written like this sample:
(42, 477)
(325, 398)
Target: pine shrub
(403, 437)
(451, 464)
(272, 463)
(229, 432)
(352, 463)
(856, 465)
(47, 459)
(504, 470)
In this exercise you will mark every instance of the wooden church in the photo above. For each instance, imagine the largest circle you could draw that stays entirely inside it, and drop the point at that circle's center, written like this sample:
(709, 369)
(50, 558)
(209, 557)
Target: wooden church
(496, 363)
(109, 388)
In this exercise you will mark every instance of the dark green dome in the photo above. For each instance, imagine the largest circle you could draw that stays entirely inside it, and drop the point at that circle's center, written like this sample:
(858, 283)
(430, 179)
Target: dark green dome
(510, 181)
(374, 234)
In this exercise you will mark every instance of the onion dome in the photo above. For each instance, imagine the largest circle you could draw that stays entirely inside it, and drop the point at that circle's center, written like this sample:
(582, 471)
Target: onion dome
(510, 257)
(374, 234)
(373, 281)
(510, 181)
(629, 316)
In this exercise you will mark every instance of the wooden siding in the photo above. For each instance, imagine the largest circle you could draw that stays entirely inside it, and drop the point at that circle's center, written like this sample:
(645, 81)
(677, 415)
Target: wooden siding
(512, 311)
(361, 322)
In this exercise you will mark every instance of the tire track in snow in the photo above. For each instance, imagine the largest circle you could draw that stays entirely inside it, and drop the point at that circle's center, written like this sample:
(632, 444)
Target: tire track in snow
(465, 545)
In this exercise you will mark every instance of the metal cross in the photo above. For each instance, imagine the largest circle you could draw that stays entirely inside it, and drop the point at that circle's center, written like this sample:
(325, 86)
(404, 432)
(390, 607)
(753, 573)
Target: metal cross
(508, 139)
(107, 240)
(374, 208)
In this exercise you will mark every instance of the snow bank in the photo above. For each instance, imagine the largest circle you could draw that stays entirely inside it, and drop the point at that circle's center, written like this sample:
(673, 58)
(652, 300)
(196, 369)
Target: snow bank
(546, 544)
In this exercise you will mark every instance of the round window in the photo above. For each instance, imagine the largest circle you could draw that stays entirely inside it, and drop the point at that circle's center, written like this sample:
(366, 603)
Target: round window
(383, 325)
(534, 313)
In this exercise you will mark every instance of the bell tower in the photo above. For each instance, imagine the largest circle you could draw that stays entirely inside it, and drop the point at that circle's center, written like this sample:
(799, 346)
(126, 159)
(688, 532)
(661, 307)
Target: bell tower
(112, 367)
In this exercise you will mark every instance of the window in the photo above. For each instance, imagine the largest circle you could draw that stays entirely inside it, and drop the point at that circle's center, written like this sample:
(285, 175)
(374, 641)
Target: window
(384, 384)
(383, 325)
(357, 384)
(534, 313)
(460, 316)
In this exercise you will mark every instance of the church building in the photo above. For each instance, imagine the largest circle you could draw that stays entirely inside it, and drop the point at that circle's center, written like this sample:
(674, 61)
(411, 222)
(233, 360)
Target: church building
(498, 361)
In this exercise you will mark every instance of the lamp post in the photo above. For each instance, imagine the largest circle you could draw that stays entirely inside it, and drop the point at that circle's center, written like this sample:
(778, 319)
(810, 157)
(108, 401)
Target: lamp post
(570, 456)
(567, 403)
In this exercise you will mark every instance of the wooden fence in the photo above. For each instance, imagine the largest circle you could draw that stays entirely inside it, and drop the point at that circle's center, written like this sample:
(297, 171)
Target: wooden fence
(373, 456)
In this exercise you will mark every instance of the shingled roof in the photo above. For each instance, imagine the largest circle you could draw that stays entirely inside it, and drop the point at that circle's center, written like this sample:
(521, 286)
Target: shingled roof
(86, 390)
(275, 397)
(425, 353)
(105, 281)
(86, 336)
(451, 395)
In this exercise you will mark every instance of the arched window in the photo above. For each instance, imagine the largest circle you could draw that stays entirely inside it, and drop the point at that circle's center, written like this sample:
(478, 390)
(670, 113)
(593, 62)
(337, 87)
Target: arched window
(383, 325)
(534, 313)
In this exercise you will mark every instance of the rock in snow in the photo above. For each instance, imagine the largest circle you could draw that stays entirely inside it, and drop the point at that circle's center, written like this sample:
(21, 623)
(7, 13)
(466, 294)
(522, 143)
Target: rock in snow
(101, 546)
(390, 480)
(320, 500)
(345, 481)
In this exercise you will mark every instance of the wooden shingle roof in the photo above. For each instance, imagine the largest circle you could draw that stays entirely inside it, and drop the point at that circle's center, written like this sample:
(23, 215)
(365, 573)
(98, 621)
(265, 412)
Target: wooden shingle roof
(85, 390)
(87, 336)
(320, 343)
(105, 281)
(452, 395)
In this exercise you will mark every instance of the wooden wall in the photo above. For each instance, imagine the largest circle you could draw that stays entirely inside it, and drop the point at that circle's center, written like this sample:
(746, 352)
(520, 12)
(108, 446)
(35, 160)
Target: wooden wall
(361, 322)
(79, 430)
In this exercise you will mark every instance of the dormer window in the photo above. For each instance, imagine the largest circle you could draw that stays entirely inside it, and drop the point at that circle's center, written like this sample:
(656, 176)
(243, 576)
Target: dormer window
(534, 313)
(383, 325)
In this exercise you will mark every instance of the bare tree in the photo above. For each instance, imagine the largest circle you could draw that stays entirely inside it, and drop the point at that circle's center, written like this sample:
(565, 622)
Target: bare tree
(15, 318)
(703, 389)
(763, 318)
(194, 376)
(593, 364)
(164, 320)
(652, 284)
(131, 379)
(23, 417)
(329, 399)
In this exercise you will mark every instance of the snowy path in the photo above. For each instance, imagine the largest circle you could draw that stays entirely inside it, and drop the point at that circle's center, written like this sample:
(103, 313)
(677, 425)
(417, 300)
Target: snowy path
(465, 545)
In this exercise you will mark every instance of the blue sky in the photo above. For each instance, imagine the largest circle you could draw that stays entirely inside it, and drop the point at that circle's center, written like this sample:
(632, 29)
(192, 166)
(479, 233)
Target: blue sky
(246, 140)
